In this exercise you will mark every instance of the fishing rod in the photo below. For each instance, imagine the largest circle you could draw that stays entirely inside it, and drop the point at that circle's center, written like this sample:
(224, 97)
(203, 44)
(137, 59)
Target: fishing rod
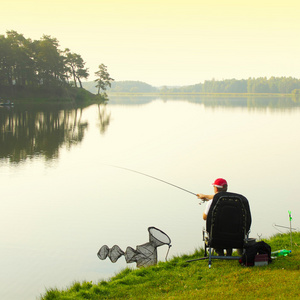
(284, 227)
(134, 171)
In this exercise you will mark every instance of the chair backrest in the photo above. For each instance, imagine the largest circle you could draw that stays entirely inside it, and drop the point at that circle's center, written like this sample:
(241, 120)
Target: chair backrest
(228, 220)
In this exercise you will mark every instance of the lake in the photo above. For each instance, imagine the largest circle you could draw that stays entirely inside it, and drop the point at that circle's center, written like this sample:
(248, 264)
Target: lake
(64, 193)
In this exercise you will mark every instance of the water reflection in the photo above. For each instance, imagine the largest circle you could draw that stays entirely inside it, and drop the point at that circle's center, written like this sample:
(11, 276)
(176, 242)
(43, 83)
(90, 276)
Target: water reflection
(25, 134)
(57, 215)
(104, 118)
(252, 102)
(276, 103)
(31, 131)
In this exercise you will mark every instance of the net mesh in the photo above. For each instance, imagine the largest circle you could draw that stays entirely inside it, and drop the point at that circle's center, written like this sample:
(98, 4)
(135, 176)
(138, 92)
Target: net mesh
(115, 253)
(103, 252)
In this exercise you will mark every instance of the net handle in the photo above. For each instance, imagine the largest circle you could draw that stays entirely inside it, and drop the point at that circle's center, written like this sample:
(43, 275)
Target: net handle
(168, 252)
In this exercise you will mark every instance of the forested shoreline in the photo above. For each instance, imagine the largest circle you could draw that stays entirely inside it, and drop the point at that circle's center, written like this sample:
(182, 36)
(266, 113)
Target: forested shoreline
(39, 68)
(273, 85)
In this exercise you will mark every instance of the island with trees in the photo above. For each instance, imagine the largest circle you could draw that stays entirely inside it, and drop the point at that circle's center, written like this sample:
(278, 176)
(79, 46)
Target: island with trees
(38, 69)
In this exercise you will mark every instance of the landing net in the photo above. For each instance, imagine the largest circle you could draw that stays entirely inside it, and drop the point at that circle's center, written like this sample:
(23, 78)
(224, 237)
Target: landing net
(144, 255)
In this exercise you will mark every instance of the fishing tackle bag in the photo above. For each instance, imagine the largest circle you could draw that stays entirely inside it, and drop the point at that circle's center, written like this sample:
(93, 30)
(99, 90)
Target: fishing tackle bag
(251, 251)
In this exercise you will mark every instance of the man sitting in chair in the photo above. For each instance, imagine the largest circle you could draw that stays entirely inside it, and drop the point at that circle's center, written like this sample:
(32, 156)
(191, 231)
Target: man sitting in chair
(219, 185)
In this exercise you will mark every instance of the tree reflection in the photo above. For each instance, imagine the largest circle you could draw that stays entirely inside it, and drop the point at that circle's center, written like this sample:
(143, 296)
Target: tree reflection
(25, 134)
(104, 118)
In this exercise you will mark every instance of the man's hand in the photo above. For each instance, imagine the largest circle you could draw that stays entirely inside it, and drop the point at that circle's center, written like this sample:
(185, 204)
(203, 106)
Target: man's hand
(203, 197)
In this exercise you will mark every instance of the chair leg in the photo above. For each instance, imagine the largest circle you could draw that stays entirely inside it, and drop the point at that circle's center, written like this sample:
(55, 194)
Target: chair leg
(209, 259)
(229, 252)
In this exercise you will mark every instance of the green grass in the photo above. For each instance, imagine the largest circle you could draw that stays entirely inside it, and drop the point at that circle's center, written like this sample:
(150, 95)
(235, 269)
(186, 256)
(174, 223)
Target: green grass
(178, 279)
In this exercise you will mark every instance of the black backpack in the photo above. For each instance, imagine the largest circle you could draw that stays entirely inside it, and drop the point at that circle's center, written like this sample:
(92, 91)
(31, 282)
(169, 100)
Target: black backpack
(254, 249)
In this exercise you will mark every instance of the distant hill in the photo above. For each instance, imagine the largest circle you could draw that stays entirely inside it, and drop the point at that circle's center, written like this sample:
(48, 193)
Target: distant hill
(90, 86)
(123, 87)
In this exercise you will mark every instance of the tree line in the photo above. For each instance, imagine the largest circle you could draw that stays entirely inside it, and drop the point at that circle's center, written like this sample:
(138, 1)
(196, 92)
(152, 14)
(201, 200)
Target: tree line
(40, 63)
(284, 85)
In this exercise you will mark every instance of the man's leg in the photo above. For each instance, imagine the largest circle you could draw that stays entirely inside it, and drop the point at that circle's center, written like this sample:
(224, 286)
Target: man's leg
(240, 252)
(220, 252)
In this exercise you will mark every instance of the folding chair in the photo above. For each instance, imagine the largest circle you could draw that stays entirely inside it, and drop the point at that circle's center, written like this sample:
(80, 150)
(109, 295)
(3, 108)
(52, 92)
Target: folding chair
(227, 225)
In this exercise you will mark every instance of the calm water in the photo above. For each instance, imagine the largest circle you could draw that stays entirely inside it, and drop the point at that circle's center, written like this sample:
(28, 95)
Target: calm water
(61, 199)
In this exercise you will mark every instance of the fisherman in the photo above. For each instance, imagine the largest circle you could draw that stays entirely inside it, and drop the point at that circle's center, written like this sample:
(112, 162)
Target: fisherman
(219, 185)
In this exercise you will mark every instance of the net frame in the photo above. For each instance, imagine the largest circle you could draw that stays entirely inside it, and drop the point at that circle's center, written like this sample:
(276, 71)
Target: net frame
(158, 237)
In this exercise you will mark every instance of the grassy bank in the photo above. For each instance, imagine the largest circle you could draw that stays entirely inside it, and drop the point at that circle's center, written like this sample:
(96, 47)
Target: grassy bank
(178, 279)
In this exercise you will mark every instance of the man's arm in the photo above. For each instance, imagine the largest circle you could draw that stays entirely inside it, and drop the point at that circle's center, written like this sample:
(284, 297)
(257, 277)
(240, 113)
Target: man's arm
(205, 197)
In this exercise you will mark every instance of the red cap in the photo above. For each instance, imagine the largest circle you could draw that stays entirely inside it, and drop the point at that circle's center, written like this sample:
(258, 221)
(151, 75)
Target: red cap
(219, 183)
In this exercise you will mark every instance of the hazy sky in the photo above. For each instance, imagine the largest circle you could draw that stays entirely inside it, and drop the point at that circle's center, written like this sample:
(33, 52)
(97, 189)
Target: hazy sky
(168, 42)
